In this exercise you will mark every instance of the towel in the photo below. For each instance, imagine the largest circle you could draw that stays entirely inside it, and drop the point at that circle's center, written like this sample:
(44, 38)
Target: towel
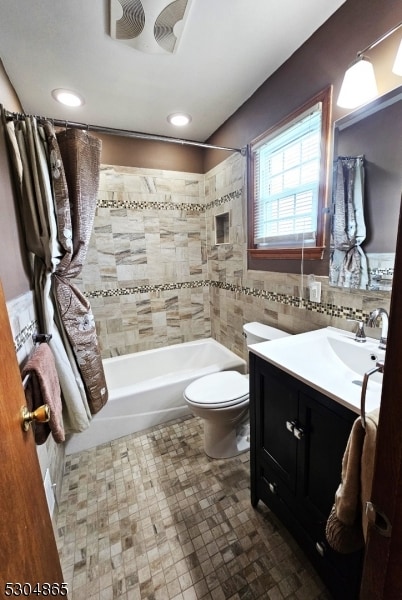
(346, 528)
(43, 387)
(367, 467)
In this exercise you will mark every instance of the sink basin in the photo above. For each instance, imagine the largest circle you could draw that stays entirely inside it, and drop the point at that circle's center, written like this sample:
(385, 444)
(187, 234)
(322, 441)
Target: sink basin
(357, 356)
(330, 361)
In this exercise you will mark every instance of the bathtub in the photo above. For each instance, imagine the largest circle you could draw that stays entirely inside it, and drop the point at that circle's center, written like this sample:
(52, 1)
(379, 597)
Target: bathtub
(146, 388)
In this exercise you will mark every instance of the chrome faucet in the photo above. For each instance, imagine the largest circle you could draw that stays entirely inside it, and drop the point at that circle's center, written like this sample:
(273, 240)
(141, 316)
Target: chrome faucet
(360, 335)
(371, 321)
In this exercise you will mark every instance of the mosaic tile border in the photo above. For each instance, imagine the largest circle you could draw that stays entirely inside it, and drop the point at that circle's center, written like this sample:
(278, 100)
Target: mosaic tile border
(331, 310)
(24, 335)
(146, 289)
(223, 199)
(152, 205)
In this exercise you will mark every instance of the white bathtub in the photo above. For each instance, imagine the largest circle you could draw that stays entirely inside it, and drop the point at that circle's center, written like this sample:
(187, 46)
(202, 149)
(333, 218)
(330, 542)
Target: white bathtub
(146, 388)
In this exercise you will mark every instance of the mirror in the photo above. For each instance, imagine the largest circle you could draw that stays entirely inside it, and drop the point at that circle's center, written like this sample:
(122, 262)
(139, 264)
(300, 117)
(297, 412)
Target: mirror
(375, 131)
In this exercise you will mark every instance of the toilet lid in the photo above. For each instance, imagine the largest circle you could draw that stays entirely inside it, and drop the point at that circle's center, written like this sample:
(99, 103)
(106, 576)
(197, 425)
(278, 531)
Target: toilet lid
(225, 388)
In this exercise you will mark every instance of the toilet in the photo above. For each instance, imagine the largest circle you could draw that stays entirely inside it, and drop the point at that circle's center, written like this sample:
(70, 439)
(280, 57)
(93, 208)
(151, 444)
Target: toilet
(222, 401)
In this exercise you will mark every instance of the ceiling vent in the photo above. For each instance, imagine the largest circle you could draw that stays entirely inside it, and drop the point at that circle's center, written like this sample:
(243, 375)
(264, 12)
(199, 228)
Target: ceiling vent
(152, 26)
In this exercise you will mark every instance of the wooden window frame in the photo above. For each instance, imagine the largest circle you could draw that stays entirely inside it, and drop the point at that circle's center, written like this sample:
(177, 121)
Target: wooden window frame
(288, 253)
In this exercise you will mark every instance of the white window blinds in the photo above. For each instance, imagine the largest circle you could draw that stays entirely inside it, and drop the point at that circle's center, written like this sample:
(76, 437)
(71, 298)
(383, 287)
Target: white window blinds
(286, 183)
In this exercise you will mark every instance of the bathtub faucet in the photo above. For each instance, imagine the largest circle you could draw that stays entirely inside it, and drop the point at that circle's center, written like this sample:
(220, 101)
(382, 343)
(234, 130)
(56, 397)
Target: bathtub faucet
(371, 321)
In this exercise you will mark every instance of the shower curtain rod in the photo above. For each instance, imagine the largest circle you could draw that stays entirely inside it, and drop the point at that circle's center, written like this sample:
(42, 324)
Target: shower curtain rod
(127, 133)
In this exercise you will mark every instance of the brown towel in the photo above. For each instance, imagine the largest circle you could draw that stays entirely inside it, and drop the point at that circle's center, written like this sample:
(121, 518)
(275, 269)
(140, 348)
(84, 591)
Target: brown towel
(347, 523)
(367, 467)
(43, 387)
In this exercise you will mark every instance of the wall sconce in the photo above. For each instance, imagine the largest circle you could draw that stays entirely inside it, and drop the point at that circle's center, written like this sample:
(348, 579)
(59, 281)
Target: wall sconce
(359, 85)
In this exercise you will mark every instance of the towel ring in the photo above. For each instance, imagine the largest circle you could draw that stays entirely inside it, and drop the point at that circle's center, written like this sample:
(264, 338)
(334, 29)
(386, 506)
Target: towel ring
(379, 368)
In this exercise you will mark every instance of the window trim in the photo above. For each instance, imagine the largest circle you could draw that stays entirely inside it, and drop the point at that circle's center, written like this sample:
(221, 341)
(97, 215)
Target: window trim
(309, 252)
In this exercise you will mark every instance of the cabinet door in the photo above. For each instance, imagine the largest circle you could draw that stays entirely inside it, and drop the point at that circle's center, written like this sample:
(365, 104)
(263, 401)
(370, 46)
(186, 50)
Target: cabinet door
(278, 411)
(325, 435)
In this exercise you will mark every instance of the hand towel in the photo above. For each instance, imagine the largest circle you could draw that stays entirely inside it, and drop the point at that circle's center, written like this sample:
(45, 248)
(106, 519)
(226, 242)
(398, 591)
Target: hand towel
(43, 387)
(367, 466)
(346, 527)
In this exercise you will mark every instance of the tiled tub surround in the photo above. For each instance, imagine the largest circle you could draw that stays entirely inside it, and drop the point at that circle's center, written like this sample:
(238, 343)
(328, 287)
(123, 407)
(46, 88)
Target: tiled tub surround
(148, 238)
(155, 275)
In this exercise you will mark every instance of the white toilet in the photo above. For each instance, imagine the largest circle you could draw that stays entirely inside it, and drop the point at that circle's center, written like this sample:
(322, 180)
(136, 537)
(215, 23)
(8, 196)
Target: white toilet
(222, 400)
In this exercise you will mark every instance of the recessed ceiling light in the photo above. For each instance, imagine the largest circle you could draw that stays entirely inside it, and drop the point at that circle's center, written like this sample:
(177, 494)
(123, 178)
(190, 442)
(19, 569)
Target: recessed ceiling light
(67, 97)
(179, 119)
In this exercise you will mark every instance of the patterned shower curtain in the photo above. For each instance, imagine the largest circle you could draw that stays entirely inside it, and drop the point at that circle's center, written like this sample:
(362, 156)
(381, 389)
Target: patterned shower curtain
(57, 178)
(348, 263)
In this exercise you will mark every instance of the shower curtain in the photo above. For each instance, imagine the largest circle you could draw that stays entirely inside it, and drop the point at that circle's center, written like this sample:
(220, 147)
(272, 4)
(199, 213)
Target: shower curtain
(57, 177)
(348, 263)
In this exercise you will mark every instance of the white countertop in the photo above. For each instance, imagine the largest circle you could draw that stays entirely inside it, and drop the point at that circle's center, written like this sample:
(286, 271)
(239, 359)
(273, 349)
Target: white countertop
(330, 361)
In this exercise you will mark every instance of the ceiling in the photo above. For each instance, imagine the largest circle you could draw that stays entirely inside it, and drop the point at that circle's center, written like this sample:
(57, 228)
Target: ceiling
(227, 49)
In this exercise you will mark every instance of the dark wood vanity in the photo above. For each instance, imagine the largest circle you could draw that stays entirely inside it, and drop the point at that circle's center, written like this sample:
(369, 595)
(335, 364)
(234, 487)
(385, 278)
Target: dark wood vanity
(298, 438)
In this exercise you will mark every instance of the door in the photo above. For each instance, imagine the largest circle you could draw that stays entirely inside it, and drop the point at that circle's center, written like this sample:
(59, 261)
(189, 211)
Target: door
(28, 551)
(382, 575)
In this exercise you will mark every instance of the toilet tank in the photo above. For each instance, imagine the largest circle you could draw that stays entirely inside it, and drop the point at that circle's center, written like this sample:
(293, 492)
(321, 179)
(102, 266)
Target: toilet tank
(258, 332)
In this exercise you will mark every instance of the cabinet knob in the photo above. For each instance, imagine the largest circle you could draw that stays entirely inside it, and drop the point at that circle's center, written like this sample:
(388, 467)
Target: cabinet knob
(320, 548)
(290, 425)
(273, 488)
(298, 432)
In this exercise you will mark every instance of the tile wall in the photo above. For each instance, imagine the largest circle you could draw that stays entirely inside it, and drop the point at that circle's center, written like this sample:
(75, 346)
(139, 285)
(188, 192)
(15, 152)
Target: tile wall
(21, 313)
(155, 275)
(278, 299)
(147, 266)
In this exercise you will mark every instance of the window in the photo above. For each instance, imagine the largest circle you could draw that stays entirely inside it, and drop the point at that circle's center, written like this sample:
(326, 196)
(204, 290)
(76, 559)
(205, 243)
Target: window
(288, 176)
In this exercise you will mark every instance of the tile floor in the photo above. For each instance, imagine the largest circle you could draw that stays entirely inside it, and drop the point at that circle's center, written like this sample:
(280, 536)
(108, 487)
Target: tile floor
(151, 517)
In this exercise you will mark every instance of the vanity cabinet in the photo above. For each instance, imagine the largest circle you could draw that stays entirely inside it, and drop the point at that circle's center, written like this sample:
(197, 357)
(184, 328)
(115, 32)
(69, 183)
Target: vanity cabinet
(298, 438)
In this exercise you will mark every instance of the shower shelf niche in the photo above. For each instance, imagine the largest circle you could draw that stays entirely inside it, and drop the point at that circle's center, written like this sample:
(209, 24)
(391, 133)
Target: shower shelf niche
(222, 228)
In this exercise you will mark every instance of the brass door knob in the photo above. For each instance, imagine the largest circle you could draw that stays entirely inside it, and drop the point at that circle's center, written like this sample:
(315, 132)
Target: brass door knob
(41, 415)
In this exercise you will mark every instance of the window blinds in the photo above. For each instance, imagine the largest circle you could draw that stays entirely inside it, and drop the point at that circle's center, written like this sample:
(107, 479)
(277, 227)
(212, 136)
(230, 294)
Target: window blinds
(286, 182)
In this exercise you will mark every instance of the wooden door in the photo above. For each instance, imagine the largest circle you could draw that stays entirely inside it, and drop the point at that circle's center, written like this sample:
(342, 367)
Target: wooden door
(382, 575)
(28, 551)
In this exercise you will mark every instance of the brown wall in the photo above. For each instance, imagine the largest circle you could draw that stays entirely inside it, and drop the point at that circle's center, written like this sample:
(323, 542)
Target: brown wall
(319, 62)
(13, 272)
(130, 152)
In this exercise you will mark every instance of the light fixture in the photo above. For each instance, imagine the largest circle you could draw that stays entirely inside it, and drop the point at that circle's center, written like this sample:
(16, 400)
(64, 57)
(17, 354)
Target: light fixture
(359, 85)
(397, 68)
(179, 119)
(67, 97)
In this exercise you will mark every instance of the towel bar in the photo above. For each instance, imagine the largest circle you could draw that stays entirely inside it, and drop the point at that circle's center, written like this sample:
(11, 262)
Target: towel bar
(38, 338)
(379, 368)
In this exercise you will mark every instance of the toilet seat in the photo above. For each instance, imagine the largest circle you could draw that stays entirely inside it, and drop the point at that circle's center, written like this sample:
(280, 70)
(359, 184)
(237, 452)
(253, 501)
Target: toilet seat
(218, 390)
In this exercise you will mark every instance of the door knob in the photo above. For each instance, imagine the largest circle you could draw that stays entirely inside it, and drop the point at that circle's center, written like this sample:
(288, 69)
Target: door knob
(41, 415)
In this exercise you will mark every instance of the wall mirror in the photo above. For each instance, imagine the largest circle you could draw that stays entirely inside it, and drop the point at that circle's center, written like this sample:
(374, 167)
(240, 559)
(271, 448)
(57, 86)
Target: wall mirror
(373, 132)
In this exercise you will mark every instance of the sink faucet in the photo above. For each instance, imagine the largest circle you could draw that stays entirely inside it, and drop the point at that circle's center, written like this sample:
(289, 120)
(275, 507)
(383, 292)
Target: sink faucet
(360, 335)
(371, 321)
